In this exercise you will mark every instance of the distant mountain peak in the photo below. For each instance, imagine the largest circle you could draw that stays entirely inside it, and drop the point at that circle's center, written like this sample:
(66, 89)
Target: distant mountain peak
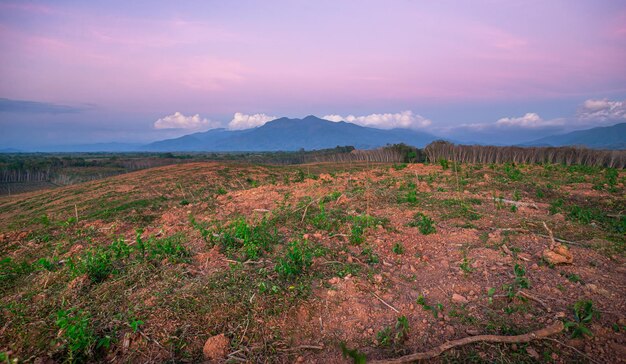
(285, 134)
(602, 137)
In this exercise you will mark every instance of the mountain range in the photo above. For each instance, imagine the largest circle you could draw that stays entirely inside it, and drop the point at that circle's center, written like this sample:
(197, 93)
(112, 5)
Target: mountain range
(607, 137)
(292, 134)
(311, 133)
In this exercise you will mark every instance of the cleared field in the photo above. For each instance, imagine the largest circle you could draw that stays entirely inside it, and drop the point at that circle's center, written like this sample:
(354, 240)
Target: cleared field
(321, 262)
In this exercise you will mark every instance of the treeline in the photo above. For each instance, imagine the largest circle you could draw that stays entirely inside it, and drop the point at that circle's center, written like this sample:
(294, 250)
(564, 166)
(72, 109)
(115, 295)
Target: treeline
(79, 167)
(396, 153)
(552, 155)
(69, 169)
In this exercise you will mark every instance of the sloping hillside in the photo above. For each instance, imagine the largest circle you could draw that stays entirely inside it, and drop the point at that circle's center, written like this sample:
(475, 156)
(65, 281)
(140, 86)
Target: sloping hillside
(284, 264)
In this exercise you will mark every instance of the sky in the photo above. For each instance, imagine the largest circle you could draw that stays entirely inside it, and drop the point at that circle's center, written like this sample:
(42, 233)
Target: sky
(79, 72)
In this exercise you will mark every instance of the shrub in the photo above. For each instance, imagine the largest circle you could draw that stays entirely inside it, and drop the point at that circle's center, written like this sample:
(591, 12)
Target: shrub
(97, 265)
(425, 224)
(421, 300)
(444, 163)
(583, 314)
(398, 248)
(170, 248)
(77, 335)
(298, 257)
(251, 240)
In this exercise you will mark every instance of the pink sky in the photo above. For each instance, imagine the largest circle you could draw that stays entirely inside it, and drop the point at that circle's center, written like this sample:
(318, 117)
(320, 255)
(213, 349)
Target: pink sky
(152, 59)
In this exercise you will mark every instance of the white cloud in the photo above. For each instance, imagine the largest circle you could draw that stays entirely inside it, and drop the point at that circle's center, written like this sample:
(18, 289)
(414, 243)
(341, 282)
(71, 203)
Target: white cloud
(180, 121)
(244, 121)
(405, 119)
(530, 120)
(602, 110)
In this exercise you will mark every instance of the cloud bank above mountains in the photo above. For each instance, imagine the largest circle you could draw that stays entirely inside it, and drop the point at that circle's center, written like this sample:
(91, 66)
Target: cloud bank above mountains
(592, 112)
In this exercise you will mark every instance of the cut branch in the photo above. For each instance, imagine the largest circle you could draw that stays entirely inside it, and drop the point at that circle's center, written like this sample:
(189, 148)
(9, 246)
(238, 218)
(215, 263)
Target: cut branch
(518, 203)
(385, 303)
(535, 335)
(562, 240)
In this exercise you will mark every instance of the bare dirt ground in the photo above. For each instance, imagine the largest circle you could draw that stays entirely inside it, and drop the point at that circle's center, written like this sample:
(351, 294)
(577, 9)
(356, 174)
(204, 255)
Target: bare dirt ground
(292, 263)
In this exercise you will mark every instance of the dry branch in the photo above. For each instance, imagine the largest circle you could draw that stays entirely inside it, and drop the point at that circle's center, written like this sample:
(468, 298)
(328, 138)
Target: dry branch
(562, 240)
(517, 203)
(535, 335)
(533, 298)
(551, 236)
(385, 303)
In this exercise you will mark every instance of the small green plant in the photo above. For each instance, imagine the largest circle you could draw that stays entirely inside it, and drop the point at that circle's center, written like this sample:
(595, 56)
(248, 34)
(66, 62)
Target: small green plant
(134, 323)
(490, 294)
(583, 315)
(444, 163)
(484, 237)
(399, 167)
(384, 336)
(539, 193)
(356, 356)
(421, 300)
(359, 224)
(513, 208)
(574, 278)
(520, 276)
(170, 248)
(555, 206)
(516, 195)
(356, 234)
(397, 248)
(425, 224)
(297, 259)
(408, 193)
(402, 329)
(248, 240)
(184, 202)
(465, 265)
(120, 249)
(370, 256)
(78, 338)
(521, 281)
(46, 264)
(397, 336)
(97, 265)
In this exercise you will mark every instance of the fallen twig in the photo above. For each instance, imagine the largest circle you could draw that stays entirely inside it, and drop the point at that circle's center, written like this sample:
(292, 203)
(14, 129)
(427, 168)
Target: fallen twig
(303, 347)
(563, 240)
(573, 348)
(150, 339)
(533, 298)
(517, 203)
(385, 303)
(305, 210)
(551, 236)
(535, 335)
(247, 261)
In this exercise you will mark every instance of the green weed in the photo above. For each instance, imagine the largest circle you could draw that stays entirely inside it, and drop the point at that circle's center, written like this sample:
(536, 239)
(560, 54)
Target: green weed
(77, 336)
(421, 300)
(356, 356)
(298, 258)
(583, 315)
(398, 248)
(425, 224)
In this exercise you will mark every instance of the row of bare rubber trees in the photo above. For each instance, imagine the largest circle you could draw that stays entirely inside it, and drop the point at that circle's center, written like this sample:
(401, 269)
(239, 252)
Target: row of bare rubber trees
(552, 155)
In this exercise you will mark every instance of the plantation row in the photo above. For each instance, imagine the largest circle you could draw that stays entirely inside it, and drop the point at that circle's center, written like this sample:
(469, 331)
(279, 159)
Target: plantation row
(528, 155)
